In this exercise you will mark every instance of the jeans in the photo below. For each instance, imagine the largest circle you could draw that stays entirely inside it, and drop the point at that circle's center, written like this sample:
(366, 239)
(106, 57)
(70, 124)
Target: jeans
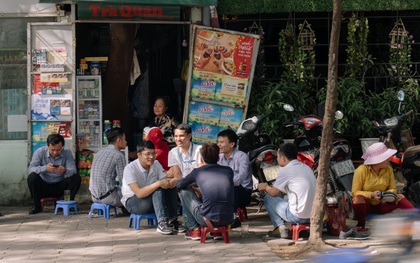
(279, 211)
(191, 204)
(163, 202)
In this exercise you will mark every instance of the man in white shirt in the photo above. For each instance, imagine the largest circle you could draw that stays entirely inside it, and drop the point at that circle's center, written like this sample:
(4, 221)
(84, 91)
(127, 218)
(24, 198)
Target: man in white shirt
(146, 188)
(297, 181)
(183, 158)
(186, 155)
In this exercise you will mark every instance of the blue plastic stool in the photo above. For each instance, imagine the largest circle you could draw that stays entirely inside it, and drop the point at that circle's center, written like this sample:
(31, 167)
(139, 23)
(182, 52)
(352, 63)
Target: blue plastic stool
(103, 209)
(138, 217)
(66, 206)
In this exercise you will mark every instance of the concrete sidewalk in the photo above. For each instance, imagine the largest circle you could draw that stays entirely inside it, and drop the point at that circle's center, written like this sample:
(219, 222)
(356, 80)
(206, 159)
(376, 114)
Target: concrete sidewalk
(46, 237)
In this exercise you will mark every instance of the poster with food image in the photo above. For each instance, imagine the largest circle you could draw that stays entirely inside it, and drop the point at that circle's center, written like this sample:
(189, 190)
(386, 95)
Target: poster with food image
(233, 90)
(223, 53)
(203, 133)
(230, 118)
(220, 80)
(204, 113)
(204, 84)
(65, 107)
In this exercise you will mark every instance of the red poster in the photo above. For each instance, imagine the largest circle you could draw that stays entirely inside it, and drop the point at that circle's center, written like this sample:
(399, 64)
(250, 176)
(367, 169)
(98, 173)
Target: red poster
(223, 53)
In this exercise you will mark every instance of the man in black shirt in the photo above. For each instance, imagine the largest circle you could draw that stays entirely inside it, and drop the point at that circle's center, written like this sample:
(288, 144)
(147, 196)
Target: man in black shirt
(211, 194)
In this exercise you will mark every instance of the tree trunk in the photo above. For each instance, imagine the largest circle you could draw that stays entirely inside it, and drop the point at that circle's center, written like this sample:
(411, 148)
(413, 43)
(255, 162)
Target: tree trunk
(317, 215)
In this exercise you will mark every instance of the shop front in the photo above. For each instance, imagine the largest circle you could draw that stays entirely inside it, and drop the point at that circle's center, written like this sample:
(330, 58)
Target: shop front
(106, 62)
(14, 142)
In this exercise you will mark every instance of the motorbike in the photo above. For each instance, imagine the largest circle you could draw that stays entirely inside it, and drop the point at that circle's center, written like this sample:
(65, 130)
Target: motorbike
(341, 169)
(261, 151)
(406, 162)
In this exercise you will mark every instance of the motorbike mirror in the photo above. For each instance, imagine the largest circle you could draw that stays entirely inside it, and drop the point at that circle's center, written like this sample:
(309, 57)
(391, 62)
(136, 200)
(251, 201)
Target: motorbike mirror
(288, 107)
(338, 115)
(375, 123)
(401, 95)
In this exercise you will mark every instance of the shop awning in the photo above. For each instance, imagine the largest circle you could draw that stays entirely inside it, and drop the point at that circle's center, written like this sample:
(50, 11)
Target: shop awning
(140, 2)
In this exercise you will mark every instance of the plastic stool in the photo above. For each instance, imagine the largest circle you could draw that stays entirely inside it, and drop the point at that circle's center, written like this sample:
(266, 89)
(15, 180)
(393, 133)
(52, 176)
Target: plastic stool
(223, 230)
(297, 228)
(242, 214)
(103, 209)
(138, 217)
(46, 200)
(220, 229)
(66, 206)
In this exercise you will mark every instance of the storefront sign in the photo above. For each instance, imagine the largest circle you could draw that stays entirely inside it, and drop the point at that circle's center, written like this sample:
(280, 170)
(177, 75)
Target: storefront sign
(142, 2)
(127, 12)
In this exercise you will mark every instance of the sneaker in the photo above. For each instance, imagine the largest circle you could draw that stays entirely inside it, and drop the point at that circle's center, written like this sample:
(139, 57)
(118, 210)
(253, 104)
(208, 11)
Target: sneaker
(274, 233)
(193, 234)
(285, 233)
(353, 234)
(236, 223)
(177, 227)
(360, 228)
(217, 236)
(164, 228)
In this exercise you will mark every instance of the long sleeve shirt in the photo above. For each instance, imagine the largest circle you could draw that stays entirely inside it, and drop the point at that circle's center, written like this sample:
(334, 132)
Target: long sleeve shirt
(239, 162)
(366, 181)
(42, 157)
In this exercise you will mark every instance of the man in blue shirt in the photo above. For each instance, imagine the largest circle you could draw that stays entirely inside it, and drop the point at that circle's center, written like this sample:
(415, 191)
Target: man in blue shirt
(51, 171)
(239, 162)
(211, 195)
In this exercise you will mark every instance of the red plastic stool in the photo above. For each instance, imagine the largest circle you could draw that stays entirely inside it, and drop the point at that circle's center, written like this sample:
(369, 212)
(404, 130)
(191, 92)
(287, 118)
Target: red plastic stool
(223, 230)
(46, 200)
(242, 214)
(297, 228)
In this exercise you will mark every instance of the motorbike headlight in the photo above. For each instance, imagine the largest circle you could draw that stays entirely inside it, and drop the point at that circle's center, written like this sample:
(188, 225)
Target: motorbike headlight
(391, 122)
(249, 126)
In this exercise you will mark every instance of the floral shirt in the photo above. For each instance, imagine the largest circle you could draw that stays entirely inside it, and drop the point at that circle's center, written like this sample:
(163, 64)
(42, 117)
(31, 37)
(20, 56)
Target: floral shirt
(167, 125)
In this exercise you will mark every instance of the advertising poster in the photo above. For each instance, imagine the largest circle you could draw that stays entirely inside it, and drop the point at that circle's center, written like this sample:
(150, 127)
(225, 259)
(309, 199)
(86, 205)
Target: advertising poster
(205, 84)
(204, 113)
(203, 133)
(220, 80)
(51, 107)
(230, 118)
(41, 130)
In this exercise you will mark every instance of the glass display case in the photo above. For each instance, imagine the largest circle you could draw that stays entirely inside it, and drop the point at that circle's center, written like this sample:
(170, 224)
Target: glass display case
(50, 77)
(89, 110)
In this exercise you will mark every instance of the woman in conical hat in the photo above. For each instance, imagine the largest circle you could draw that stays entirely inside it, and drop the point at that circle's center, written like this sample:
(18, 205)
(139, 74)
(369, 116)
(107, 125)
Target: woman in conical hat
(372, 182)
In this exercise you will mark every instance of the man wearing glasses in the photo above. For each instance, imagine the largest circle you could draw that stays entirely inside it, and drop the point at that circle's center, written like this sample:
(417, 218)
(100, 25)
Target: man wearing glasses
(51, 171)
(146, 188)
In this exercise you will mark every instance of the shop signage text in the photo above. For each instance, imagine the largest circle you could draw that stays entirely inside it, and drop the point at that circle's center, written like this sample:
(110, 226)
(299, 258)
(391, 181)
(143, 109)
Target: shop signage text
(127, 12)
